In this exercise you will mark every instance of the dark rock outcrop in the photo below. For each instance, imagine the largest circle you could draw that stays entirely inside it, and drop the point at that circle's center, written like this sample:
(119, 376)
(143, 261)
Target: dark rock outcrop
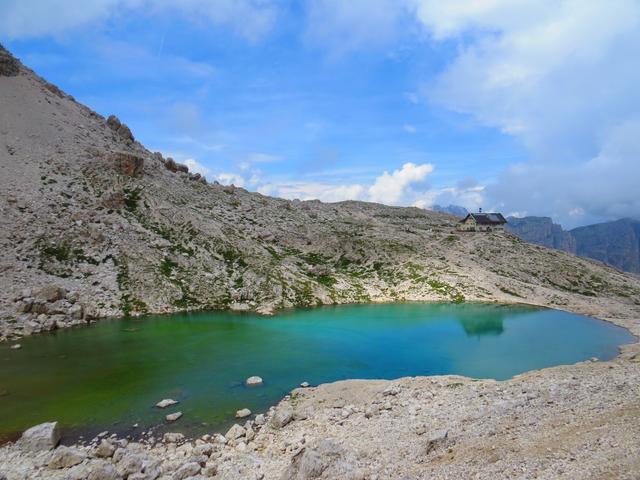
(9, 65)
(128, 164)
(120, 128)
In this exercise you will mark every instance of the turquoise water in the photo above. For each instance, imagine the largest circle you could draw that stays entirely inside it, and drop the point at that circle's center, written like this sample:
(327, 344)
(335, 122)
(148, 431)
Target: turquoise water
(109, 376)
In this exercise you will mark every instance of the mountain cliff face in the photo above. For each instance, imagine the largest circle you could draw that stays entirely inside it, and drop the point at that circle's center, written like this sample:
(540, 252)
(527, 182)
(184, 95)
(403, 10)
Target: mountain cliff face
(542, 231)
(92, 225)
(616, 243)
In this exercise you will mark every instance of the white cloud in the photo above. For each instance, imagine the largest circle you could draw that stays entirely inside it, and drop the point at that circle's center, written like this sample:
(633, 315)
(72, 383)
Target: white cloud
(393, 187)
(196, 167)
(409, 128)
(226, 178)
(562, 77)
(314, 191)
(250, 19)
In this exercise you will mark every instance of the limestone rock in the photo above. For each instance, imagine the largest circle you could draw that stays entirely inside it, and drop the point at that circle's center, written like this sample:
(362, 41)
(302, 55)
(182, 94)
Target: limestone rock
(282, 416)
(172, 417)
(50, 293)
(253, 381)
(187, 470)
(127, 164)
(167, 402)
(243, 413)
(41, 437)
(105, 449)
(170, 437)
(65, 457)
(235, 432)
(324, 459)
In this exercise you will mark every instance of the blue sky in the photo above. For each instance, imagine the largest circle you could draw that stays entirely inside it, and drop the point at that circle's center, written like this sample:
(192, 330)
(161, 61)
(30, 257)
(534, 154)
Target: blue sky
(524, 107)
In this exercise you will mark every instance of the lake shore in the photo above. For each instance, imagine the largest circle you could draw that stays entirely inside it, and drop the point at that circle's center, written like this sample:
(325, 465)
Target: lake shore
(576, 421)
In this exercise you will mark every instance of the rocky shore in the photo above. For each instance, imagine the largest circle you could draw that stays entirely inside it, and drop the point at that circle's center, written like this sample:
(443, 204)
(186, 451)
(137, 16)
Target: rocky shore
(576, 422)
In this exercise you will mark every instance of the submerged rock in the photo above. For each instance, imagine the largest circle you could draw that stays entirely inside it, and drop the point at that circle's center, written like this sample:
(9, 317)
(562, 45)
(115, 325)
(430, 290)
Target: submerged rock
(245, 412)
(41, 437)
(253, 381)
(167, 402)
(172, 417)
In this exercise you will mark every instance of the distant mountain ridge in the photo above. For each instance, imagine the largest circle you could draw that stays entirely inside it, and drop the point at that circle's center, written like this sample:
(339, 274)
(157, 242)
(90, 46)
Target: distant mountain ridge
(616, 243)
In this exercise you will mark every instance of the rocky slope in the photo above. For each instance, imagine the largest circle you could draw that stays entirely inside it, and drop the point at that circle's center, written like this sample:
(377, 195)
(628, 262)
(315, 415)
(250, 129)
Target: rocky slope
(95, 225)
(92, 224)
(615, 243)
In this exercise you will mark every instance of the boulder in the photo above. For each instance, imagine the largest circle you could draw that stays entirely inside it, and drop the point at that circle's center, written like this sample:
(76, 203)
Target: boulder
(282, 417)
(304, 385)
(260, 420)
(50, 293)
(235, 432)
(65, 457)
(170, 437)
(102, 470)
(171, 165)
(187, 470)
(172, 417)
(105, 449)
(41, 437)
(167, 402)
(129, 464)
(253, 381)
(245, 412)
(120, 128)
(127, 164)
(16, 346)
(182, 168)
(324, 459)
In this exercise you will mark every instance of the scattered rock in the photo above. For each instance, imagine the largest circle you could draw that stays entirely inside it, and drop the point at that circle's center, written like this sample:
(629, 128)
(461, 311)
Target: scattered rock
(187, 470)
(167, 402)
(172, 437)
(127, 164)
(253, 381)
(65, 457)
(436, 440)
(50, 294)
(41, 437)
(282, 416)
(172, 417)
(235, 432)
(105, 449)
(324, 459)
(245, 412)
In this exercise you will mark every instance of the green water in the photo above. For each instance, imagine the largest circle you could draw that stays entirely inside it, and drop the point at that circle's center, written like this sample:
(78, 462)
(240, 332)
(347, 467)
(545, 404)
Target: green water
(109, 376)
